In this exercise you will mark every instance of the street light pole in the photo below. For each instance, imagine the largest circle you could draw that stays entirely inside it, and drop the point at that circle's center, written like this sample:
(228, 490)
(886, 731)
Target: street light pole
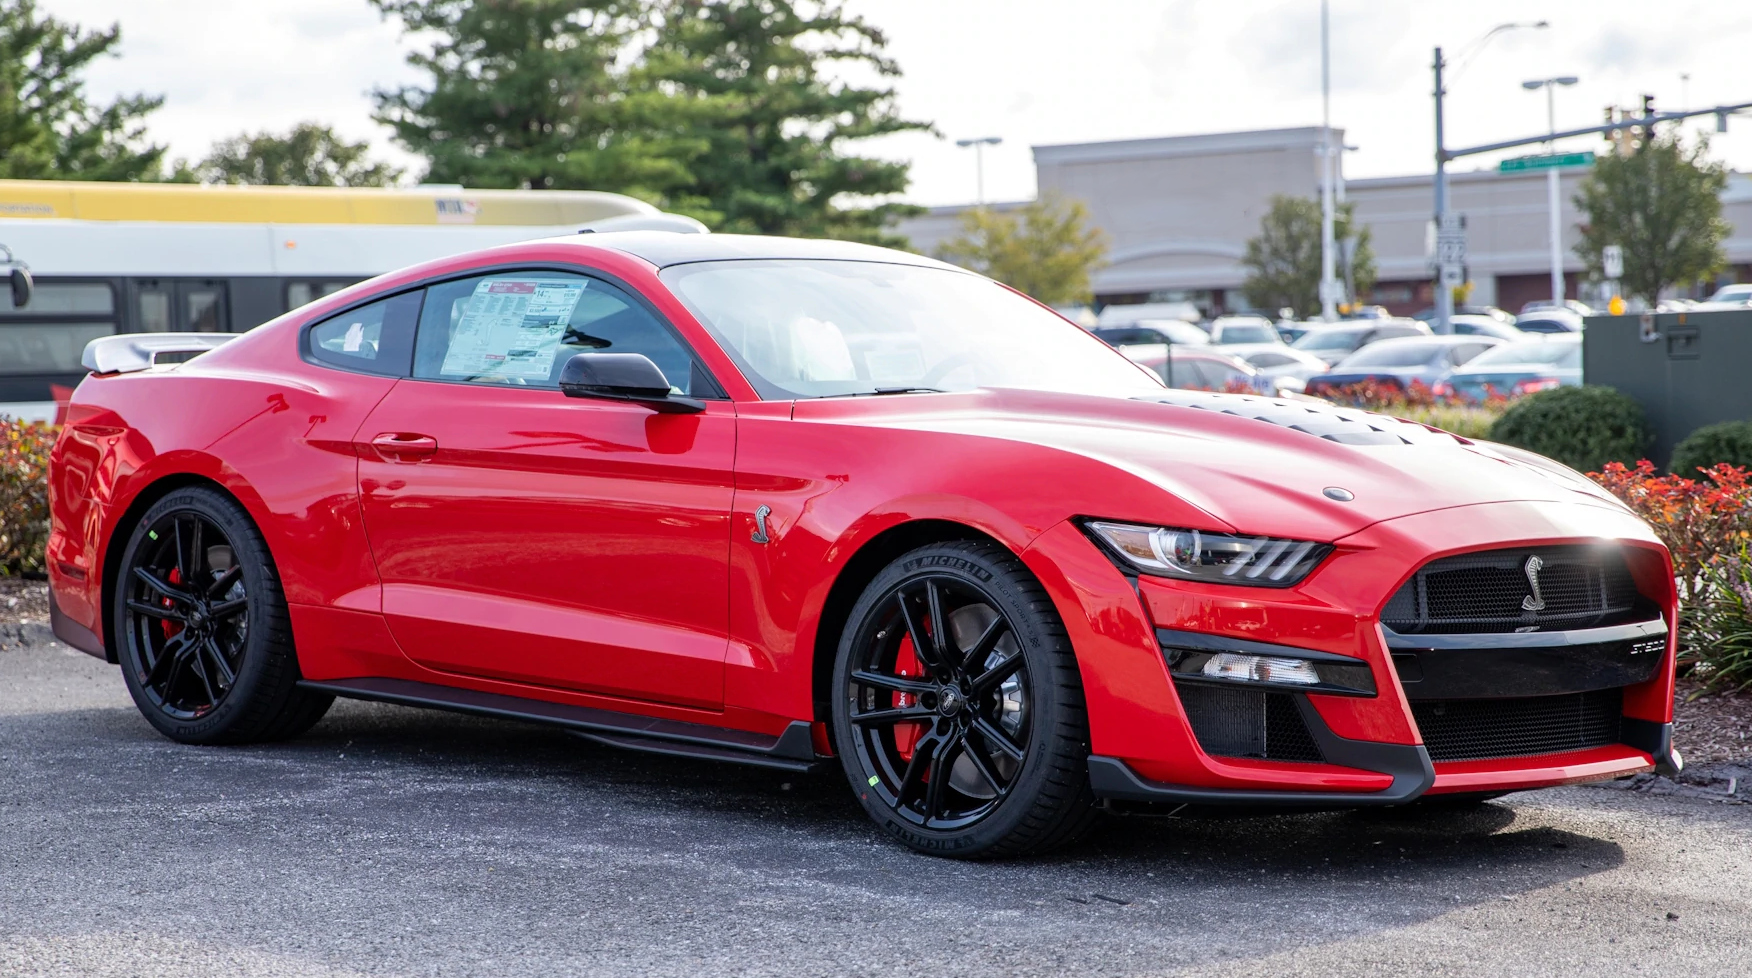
(1328, 281)
(1554, 229)
(1451, 241)
(979, 146)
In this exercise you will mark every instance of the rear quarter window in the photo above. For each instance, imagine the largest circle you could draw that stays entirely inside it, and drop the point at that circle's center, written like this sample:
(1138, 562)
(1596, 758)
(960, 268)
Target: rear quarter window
(376, 338)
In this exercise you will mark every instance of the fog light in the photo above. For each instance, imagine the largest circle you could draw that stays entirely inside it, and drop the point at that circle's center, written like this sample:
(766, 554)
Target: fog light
(1261, 669)
(1311, 675)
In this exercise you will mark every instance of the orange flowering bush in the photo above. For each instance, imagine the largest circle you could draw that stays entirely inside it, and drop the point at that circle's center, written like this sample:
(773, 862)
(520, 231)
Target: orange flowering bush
(24, 495)
(1707, 524)
(1701, 521)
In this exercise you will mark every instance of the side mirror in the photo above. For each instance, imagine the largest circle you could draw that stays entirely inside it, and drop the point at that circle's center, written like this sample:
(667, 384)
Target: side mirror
(623, 377)
(22, 287)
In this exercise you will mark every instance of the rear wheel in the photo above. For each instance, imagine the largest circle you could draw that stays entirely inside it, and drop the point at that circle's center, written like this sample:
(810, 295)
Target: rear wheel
(201, 626)
(958, 710)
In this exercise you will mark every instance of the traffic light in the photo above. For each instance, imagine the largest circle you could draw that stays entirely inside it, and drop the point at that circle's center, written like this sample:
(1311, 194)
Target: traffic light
(1648, 106)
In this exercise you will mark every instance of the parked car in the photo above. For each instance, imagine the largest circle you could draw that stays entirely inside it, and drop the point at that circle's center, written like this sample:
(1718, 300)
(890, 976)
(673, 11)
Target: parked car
(1153, 332)
(1501, 316)
(812, 505)
(1285, 366)
(1207, 369)
(1520, 368)
(1735, 294)
(1234, 330)
(1402, 362)
(1470, 325)
(1573, 306)
(1129, 313)
(1339, 340)
(1549, 321)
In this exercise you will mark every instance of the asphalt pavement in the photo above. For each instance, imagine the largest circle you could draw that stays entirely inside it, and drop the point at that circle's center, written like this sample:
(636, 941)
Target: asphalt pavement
(394, 841)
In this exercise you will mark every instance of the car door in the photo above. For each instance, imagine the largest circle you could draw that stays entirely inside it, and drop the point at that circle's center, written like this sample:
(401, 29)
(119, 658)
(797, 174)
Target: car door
(527, 536)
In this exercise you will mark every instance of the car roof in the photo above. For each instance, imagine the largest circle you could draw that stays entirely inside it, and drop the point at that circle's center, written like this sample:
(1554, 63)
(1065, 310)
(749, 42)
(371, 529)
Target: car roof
(1441, 339)
(666, 248)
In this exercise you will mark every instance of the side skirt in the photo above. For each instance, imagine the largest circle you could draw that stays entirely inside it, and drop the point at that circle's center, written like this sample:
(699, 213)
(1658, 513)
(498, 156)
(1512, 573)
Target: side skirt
(792, 750)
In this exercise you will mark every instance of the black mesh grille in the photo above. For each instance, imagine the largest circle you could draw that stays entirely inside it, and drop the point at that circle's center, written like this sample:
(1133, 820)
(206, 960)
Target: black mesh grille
(1581, 586)
(1247, 723)
(1469, 730)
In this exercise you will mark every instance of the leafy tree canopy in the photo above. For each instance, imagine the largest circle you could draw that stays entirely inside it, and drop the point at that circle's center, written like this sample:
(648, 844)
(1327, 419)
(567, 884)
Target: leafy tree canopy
(310, 155)
(49, 129)
(1662, 204)
(1283, 261)
(1044, 248)
(722, 109)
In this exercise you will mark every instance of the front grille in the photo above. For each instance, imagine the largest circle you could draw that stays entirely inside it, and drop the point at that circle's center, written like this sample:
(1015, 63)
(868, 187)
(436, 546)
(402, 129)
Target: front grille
(1581, 586)
(1470, 730)
(1247, 723)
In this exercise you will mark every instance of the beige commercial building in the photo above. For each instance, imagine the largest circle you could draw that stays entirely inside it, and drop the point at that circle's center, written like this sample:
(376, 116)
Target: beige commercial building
(1178, 212)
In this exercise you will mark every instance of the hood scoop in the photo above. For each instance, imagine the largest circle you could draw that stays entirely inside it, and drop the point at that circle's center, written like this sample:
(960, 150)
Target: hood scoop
(1347, 426)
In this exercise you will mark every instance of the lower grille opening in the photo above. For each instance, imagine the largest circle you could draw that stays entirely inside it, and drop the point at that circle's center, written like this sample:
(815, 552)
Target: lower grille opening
(1471, 730)
(1247, 723)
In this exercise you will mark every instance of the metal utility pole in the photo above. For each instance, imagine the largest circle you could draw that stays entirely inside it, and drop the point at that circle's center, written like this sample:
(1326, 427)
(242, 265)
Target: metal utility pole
(979, 146)
(1328, 282)
(1554, 206)
(1450, 236)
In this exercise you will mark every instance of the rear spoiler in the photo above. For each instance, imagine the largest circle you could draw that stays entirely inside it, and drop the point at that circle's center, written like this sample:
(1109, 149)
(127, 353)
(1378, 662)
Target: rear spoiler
(129, 352)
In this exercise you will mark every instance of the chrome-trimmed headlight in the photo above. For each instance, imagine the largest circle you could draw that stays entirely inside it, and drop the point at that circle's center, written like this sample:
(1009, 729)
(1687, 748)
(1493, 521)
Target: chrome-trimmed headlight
(1214, 558)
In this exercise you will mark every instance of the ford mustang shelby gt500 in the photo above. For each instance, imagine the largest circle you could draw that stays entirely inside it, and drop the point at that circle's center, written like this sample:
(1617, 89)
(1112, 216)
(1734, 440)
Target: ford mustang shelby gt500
(803, 503)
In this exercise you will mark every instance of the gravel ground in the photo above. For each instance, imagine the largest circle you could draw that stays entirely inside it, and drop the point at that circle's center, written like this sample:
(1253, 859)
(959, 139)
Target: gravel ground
(393, 841)
(1712, 726)
(23, 600)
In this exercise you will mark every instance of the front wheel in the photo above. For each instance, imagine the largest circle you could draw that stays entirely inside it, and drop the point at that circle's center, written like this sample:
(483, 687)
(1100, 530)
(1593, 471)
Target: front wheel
(958, 709)
(201, 626)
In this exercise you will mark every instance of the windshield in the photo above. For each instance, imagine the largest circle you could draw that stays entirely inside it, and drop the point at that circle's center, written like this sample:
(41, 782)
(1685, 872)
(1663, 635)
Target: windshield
(1249, 334)
(1392, 355)
(1555, 353)
(1329, 339)
(814, 328)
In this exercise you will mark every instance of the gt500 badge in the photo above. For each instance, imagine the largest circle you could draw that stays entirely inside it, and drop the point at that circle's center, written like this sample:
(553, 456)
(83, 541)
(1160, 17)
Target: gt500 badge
(1654, 645)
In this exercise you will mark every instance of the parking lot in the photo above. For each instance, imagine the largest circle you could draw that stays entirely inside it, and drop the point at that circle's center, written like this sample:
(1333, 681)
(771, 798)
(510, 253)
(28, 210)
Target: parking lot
(394, 841)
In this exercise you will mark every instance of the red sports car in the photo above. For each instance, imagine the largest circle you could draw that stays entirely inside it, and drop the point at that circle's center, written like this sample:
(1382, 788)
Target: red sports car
(805, 503)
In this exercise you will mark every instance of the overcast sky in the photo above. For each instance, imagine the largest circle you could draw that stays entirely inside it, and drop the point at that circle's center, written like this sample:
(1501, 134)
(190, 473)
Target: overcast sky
(1034, 72)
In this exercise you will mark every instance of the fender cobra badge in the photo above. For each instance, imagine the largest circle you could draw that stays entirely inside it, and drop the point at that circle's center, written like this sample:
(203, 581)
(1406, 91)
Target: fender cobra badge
(760, 528)
(1534, 601)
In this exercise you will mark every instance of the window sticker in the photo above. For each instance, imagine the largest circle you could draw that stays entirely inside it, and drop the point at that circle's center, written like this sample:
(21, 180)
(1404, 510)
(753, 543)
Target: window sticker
(510, 329)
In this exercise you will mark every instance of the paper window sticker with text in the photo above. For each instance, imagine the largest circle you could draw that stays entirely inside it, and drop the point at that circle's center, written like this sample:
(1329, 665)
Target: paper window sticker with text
(511, 329)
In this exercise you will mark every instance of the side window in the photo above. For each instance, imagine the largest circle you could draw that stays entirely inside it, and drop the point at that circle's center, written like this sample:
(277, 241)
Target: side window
(520, 328)
(374, 339)
(1466, 351)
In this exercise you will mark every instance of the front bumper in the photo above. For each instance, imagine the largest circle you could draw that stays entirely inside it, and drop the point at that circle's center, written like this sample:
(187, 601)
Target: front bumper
(1142, 741)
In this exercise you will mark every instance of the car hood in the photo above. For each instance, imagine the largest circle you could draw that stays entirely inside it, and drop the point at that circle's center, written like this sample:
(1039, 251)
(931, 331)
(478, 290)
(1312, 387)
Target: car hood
(1257, 464)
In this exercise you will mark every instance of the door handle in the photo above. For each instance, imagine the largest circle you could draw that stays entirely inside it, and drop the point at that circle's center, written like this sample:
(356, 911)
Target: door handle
(402, 446)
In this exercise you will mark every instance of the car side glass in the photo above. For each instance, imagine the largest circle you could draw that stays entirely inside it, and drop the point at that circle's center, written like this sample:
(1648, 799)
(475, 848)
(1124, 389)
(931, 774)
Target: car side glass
(519, 329)
(376, 338)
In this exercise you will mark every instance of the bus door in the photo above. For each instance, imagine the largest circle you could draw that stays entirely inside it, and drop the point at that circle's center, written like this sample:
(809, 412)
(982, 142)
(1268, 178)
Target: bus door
(180, 305)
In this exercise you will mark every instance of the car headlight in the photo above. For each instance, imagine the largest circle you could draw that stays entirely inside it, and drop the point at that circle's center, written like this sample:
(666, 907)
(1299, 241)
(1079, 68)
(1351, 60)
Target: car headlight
(1216, 558)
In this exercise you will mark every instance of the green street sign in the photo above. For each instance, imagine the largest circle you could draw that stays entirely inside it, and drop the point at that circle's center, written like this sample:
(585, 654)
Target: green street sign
(1554, 161)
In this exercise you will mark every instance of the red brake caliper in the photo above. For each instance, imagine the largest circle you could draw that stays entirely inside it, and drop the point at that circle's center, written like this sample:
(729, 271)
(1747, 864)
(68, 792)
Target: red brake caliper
(170, 627)
(906, 663)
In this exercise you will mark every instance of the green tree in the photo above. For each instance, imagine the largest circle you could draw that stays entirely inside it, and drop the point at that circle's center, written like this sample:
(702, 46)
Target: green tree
(49, 129)
(532, 93)
(310, 155)
(1662, 204)
(1044, 248)
(1283, 261)
(754, 81)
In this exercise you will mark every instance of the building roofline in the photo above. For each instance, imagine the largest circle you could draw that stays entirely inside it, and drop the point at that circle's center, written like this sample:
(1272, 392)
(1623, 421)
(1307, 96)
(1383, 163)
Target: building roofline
(1201, 144)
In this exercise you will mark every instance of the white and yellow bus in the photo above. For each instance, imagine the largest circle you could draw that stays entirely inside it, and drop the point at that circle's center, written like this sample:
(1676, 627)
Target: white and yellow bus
(137, 257)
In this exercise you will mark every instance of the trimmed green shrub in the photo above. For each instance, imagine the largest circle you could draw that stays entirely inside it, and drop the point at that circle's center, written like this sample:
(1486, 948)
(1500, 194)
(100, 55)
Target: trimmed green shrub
(1730, 442)
(1582, 427)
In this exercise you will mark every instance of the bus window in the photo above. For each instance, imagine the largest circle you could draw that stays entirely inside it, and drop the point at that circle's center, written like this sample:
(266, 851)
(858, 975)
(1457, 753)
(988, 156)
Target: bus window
(43, 348)
(64, 298)
(155, 310)
(304, 293)
(202, 310)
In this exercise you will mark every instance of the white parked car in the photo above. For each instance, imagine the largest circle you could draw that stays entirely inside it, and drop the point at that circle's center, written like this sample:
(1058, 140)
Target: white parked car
(1236, 330)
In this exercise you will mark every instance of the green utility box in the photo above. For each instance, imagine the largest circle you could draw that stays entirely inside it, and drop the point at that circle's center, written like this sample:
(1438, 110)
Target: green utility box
(1687, 369)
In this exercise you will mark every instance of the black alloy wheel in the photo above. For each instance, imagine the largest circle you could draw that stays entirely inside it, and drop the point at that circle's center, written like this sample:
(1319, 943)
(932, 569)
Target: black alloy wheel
(202, 629)
(958, 713)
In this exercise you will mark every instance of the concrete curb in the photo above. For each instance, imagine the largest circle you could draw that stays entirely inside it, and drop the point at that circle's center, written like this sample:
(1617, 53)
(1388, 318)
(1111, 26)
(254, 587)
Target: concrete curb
(1728, 782)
